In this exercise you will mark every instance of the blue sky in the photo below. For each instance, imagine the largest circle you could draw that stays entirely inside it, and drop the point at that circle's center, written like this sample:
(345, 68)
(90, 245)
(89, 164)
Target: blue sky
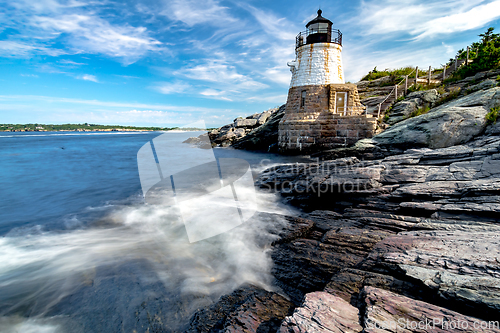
(172, 62)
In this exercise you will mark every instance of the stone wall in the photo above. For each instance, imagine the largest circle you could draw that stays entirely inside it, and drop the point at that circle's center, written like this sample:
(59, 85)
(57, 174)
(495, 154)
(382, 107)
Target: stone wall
(328, 131)
(316, 126)
(317, 64)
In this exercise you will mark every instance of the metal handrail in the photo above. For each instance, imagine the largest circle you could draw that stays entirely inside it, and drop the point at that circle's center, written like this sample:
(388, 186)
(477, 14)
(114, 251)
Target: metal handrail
(335, 36)
(392, 91)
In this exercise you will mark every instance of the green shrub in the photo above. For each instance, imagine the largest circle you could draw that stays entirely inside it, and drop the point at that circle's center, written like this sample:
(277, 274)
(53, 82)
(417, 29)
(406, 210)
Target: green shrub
(485, 55)
(492, 116)
(419, 112)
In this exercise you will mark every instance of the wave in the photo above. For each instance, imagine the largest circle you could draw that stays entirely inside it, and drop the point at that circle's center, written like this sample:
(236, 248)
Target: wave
(63, 280)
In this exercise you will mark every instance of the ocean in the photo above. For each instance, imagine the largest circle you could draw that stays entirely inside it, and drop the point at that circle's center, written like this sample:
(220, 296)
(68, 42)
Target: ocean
(81, 250)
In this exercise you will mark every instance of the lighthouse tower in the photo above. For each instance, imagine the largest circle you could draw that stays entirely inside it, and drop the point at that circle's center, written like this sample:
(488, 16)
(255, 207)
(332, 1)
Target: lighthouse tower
(322, 112)
(319, 58)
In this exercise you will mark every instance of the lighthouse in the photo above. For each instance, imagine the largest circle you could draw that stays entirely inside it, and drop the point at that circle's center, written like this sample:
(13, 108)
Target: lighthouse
(322, 111)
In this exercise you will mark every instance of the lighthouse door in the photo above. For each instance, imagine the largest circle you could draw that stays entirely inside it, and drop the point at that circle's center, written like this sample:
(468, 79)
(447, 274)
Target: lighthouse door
(341, 103)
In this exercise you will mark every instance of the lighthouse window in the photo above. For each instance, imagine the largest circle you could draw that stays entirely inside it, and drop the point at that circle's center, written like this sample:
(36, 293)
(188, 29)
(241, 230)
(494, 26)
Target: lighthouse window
(303, 99)
(319, 27)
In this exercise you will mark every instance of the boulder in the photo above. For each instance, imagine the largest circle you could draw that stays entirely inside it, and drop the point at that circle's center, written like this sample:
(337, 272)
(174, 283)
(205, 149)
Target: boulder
(413, 101)
(448, 126)
(402, 110)
(427, 96)
(264, 136)
(263, 117)
(486, 84)
(245, 122)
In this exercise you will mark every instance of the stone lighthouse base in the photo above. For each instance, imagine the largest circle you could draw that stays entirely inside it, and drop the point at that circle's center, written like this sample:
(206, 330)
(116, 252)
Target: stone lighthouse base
(327, 131)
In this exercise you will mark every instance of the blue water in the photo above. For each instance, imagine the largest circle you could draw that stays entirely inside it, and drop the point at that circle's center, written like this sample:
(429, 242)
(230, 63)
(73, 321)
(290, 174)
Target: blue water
(47, 179)
(80, 251)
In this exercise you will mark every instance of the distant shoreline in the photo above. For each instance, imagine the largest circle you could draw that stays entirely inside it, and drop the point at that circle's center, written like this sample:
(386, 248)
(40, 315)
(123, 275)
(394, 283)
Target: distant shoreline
(87, 128)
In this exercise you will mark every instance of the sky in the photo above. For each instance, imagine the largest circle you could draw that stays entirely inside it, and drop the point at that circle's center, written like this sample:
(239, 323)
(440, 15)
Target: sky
(172, 62)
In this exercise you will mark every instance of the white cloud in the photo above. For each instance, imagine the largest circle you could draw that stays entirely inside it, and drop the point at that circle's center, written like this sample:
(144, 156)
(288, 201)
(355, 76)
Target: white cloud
(474, 18)
(22, 49)
(279, 74)
(216, 94)
(278, 27)
(424, 19)
(224, 81)
(171, 87)
(70, 63)
(212, 71)
(75, 27)
(278, 99)
(106, 104)
(88, 77)
(193, 12)
(91, 34)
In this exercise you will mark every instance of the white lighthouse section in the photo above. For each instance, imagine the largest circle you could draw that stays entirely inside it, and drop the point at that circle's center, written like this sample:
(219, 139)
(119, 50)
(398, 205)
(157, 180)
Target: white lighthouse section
(316, 64)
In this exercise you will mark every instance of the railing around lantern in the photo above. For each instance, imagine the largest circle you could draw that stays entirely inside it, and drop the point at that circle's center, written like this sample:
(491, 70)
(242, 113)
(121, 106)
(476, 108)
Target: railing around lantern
(328, 36)
(350, 110)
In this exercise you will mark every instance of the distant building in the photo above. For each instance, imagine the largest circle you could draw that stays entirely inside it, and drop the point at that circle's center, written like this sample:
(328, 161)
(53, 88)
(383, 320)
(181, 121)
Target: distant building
(322, 111)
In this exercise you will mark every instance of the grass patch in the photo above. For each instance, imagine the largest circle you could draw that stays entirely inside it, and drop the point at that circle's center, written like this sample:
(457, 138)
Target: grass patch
(397, 74)
(441, 90)
(419, 112)
(446, 98)
(492, 116)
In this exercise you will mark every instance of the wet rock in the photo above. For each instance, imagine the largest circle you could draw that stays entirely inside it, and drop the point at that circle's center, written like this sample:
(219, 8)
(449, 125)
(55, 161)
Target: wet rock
(247, 309)
(322, 312)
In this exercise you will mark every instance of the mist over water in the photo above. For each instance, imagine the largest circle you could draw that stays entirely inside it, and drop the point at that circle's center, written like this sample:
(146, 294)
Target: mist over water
(118, 264)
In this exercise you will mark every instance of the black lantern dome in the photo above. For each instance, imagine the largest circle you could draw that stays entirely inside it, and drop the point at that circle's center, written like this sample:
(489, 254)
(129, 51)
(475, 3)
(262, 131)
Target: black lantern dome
(319, 22)
(319, 30)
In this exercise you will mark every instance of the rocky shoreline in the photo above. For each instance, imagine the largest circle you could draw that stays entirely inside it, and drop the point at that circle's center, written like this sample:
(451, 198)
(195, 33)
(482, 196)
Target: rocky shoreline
(399, 233)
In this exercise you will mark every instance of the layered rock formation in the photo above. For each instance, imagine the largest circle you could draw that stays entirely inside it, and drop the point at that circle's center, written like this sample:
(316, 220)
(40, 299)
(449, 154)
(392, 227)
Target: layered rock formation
(398, 233)
(403, 243)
